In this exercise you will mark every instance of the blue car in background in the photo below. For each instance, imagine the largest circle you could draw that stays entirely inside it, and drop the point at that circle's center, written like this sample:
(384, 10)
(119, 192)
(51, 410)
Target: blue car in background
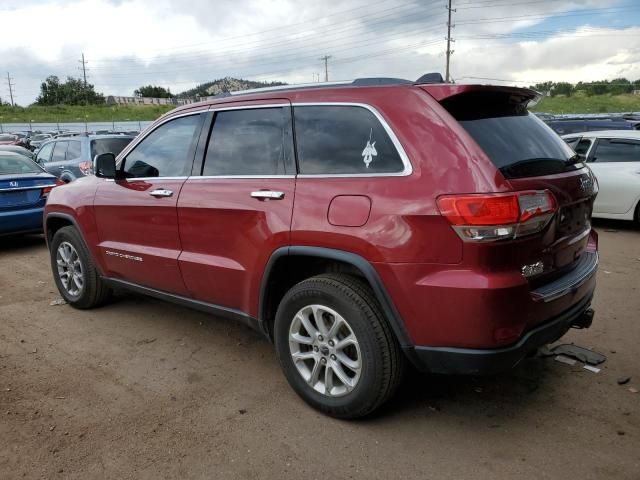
(24, 188)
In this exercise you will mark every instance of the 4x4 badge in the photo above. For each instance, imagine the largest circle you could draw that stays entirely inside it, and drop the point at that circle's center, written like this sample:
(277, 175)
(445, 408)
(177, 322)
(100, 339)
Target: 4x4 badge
(369, 151)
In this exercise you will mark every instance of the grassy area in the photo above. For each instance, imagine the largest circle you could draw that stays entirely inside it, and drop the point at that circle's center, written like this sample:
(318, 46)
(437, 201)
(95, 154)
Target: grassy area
(594, 104)
(91, 113)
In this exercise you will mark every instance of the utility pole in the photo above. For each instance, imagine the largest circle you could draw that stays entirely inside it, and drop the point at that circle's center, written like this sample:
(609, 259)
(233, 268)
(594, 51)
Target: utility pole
(84, 75)
(449, 40)
(11, 85)
(326, 67)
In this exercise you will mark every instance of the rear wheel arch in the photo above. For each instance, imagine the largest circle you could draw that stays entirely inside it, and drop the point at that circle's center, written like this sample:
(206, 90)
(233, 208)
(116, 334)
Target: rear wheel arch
(290, 265)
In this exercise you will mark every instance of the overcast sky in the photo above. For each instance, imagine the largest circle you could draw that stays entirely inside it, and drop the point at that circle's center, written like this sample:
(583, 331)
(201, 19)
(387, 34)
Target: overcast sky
(178, 44)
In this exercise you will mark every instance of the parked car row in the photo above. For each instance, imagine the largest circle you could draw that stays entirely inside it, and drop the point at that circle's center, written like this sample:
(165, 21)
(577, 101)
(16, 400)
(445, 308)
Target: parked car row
(71, 157)
(33, 140)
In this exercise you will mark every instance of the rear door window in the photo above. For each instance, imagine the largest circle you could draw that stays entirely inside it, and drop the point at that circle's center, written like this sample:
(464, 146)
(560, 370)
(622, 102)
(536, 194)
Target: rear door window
(517, 142)
(617, 150)
(73, 150)
(251, 142)
(109, 145)
(59, 152)
(343, 139)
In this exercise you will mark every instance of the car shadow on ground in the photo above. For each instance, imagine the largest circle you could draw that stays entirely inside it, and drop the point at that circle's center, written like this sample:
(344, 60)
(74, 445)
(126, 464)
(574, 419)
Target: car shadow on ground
(486, 399)
(489, 401)
(15, 243)
(622, 225)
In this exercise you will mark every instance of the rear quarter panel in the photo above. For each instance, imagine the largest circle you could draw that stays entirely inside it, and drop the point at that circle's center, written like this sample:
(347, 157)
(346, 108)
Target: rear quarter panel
(404, 224)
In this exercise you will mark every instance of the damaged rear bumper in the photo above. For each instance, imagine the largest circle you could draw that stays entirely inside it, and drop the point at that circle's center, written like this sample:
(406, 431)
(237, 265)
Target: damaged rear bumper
(467, 361)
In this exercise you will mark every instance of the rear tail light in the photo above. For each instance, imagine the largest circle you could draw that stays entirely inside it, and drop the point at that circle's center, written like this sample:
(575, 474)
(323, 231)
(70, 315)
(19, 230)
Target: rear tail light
(47, 190)
(85, 168)
(498, 216)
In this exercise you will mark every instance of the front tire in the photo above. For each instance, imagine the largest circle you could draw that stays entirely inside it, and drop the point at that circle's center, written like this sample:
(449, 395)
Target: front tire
(74, 272)
(335, 347)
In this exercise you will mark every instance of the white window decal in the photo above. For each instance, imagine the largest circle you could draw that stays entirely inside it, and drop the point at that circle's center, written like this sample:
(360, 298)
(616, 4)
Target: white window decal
(369, 151)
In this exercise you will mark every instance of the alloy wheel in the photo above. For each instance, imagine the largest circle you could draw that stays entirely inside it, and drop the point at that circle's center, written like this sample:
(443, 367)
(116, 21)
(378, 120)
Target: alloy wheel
(325, 350)
(70, 269)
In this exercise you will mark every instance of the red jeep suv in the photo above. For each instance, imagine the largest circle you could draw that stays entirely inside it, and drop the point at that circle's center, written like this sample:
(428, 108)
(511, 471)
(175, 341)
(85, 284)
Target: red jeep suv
(357, 225)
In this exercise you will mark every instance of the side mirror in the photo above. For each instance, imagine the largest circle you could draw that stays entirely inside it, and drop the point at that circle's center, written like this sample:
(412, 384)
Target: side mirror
(104, 165)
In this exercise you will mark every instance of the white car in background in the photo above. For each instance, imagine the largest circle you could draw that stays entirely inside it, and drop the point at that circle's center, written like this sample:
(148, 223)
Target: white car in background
(614, 158)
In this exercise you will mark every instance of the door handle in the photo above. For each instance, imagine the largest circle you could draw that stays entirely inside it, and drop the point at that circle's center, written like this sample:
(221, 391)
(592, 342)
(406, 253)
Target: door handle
(60, 168)
(267, 194)
(161, 192)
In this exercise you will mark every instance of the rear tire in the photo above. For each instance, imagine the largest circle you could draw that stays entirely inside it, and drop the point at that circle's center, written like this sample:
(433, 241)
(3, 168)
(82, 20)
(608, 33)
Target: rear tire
(346, 362)
(74, 271)
(636, 216)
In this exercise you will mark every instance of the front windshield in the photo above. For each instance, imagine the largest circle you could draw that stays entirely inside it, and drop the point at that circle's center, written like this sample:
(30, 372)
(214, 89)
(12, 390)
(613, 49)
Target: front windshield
(17, 164)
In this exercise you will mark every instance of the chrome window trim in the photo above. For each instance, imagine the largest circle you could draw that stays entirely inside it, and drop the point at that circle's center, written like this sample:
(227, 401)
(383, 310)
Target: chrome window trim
(407, 167)
(150, 129)
(211, 177)
(223, 107)
(407, 170)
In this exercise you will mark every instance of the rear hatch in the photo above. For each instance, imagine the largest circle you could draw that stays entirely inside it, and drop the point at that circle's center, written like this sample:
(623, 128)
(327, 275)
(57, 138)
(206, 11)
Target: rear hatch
(531, 157)
(24, 190)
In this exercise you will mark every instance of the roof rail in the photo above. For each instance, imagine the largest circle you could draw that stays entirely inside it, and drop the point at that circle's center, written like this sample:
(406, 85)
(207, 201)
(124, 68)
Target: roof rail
(286, 87)
(358, 82)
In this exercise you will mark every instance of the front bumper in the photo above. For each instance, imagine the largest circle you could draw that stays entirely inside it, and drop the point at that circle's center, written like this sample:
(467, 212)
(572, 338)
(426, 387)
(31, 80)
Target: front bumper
(468, 361)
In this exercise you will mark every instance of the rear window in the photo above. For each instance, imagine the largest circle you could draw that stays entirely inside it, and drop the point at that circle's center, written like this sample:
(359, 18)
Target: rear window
(16, 164)
(518, 143)
(108, 145)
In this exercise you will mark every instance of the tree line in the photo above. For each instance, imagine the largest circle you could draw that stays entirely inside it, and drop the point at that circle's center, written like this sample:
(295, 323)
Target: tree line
(74, 91)
(617, 86)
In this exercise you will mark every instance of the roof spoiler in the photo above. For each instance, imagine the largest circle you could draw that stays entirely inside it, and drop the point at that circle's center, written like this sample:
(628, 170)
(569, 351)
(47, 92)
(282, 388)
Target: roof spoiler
(446, 91)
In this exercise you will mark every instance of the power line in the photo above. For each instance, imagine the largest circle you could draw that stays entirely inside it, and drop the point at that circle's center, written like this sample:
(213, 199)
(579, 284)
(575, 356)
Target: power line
(11, 85)
(326, 34)
(449, 40)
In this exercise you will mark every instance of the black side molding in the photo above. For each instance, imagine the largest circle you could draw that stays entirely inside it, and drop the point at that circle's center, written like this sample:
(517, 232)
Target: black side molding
(210, 308)
(353, 259)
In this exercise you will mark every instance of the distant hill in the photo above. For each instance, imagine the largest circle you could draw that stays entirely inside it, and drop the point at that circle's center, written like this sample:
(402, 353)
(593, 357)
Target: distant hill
(222, 85)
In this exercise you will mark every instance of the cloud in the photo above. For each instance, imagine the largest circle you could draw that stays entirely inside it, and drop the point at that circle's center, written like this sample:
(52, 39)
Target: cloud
(178, 44)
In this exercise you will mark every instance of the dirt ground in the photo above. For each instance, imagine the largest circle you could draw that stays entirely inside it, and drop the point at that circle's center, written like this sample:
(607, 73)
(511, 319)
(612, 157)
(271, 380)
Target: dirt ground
(146, 389)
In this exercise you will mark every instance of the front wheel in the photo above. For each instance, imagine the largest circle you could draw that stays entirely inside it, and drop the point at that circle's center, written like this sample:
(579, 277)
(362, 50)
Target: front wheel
(74, 272)
(335, 346)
